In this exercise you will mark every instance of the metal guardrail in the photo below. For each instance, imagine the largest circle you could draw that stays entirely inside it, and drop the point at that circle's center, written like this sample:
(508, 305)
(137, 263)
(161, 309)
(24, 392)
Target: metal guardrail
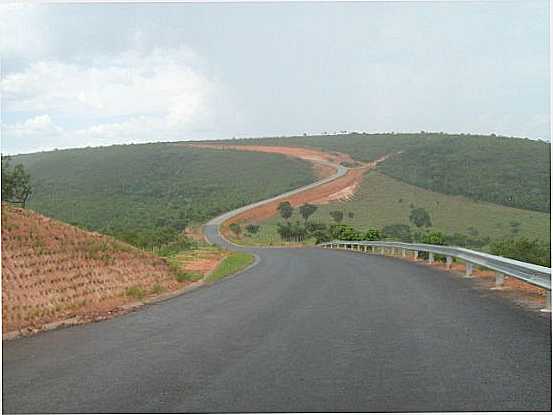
(529, 273)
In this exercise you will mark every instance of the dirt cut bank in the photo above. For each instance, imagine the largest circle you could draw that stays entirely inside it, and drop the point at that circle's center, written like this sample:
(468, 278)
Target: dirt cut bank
(52, 272)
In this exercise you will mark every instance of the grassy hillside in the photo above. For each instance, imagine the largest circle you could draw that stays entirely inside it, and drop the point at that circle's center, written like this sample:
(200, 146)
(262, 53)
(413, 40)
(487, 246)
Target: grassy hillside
(382, 200)
(508, 171)
(52, 271)
(146, 194)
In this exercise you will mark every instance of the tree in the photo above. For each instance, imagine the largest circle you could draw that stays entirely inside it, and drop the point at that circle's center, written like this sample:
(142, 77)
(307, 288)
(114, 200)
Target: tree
(307, 210)
(337, 215)
(236, 229)
(16, 183)
(252, 228)
(420, 217)
(286, 210)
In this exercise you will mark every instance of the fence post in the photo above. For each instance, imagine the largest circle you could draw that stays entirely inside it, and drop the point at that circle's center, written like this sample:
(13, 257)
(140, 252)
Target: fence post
(448, 261)
(468, 270)
(415, 255)
(430, 257)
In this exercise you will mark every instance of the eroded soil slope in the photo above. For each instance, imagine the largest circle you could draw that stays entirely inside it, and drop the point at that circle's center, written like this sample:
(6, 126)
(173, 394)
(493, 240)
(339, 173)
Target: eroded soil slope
(53, 271)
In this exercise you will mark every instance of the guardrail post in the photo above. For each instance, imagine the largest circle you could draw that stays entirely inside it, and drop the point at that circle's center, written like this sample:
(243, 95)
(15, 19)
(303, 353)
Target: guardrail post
(468, 270)
(430, 257)
(415, 255)
(499, 279)
(372, 249)
(403, 252)
(448, 261)
(381, 250)
(547, 308)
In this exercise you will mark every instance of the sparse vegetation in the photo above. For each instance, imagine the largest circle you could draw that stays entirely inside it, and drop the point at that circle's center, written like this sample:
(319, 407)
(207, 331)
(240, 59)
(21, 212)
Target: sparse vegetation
(135, 292)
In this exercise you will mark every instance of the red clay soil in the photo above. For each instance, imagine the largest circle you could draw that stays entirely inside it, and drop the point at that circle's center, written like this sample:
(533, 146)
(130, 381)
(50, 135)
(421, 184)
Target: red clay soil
(52, 271)
(307, 154)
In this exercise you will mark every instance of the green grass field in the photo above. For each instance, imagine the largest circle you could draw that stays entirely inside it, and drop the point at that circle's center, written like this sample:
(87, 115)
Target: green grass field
(382, 200)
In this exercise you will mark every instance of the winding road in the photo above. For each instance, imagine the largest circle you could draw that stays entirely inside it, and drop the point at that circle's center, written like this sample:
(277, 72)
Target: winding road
(303, 330)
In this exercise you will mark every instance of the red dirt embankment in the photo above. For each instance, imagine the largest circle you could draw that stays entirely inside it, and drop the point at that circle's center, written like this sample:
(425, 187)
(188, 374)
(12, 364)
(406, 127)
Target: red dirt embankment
(52, 271)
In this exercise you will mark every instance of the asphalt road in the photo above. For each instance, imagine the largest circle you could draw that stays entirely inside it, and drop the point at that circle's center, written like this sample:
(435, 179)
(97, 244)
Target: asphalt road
(303, 330)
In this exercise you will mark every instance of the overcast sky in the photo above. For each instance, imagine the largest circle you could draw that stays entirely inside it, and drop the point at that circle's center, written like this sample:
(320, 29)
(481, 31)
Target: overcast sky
(97, 74)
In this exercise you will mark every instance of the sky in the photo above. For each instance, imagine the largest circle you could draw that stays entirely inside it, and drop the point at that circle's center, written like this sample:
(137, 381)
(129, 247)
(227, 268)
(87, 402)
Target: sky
(76, 75)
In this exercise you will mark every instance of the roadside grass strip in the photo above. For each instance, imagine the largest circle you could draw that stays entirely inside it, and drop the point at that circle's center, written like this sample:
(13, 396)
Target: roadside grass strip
(233, 263)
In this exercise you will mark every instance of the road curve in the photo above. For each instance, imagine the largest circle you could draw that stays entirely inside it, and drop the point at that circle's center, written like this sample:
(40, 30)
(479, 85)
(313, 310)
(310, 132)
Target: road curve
(305, 330)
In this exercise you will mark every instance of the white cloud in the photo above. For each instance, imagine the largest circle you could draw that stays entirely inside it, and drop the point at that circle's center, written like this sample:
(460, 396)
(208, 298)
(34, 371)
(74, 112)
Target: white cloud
(160, 83)
(41, 125)
(21, 25)
(154, 94)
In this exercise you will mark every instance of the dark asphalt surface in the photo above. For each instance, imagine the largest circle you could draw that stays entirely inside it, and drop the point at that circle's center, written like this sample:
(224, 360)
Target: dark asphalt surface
(304, 330)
